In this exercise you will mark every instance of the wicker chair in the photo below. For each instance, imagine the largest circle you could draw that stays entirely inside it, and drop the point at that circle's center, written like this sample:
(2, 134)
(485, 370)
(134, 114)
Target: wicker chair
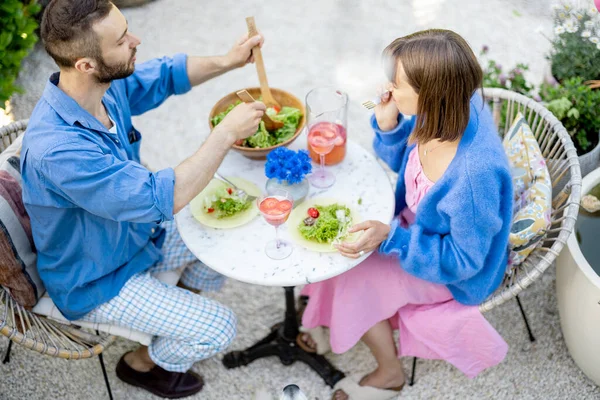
(561, 158)
(38, 333)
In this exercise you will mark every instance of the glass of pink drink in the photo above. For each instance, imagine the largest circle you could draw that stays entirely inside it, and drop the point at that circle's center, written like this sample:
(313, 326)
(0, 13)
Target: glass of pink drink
(276, 208)
(321, 139)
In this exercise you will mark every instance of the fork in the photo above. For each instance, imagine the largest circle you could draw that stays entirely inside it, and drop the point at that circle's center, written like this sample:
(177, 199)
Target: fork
(241, 193)
(370, 104)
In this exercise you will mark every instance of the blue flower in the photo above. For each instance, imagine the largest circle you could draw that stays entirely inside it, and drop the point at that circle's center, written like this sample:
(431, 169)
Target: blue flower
(272, 170)
(288, 165)
(294, 178)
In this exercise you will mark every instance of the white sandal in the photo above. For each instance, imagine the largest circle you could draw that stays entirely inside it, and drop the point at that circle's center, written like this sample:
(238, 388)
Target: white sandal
(350, 386)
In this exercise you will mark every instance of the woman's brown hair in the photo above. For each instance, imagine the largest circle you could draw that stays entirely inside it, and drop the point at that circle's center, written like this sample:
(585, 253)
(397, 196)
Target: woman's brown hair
(444, 72)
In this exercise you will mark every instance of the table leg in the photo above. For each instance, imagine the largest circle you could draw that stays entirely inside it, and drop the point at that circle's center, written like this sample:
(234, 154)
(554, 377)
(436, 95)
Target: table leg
(281, 342)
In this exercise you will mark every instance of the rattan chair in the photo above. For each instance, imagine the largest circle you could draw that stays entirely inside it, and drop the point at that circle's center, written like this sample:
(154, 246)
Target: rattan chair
(38, 333)
(562, 161)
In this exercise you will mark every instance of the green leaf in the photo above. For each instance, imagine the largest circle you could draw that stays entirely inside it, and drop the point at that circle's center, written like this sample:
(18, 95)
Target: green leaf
(573, 113)
(17, 38)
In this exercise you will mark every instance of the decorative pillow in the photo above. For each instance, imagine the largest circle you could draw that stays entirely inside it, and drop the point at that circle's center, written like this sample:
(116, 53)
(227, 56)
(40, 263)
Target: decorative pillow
(532, 191)
(18, 268)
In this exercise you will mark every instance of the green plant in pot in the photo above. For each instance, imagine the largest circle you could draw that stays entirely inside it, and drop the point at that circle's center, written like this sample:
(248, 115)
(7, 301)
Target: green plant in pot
(577, 106)
(17, 38)
(576, 44)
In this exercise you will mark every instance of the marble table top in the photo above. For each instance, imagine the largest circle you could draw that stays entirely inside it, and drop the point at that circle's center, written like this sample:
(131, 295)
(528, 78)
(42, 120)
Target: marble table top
(239, 253)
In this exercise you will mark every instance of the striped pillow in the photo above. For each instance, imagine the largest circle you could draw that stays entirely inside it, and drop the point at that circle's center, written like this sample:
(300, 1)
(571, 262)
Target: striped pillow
(18, 269)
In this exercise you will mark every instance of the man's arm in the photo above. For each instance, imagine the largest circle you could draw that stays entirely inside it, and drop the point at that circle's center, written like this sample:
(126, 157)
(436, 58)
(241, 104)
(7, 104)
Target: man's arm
(194, 173)
(202, 69)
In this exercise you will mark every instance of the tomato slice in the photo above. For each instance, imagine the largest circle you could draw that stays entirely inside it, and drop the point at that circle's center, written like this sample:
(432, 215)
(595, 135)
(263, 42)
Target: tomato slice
(313, 212)
(210, 210)
(268, 204)
(277, 109)
(285, 205)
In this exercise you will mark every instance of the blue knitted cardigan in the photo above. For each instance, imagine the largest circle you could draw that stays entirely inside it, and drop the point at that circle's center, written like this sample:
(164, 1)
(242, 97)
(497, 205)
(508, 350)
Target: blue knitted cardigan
(460, 234)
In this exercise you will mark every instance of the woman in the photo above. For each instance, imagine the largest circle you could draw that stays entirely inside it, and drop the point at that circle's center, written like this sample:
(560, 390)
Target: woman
(446, 251)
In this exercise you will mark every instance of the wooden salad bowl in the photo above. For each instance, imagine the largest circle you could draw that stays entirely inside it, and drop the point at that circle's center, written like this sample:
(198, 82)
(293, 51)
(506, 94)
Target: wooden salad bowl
(284, 98)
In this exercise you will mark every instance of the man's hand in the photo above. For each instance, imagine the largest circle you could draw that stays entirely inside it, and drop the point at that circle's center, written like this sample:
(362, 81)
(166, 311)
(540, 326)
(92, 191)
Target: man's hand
(386, 112)
(241, 52)
(241, 122)
(374, 233)
(201, 69)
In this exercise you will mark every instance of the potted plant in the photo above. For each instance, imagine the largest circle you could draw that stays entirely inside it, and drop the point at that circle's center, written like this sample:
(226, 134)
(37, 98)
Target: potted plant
(575, 62)
(577, 106)
(576, 44)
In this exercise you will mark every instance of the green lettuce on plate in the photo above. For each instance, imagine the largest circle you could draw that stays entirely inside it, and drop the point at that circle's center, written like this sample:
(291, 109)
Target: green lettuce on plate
(330, 226)
(224, 203)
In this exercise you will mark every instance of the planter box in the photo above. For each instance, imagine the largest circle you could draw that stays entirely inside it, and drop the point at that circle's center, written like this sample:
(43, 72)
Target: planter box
(578, 293)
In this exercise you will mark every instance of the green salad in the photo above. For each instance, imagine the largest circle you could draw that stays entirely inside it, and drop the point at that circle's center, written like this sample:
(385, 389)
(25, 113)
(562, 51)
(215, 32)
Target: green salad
(224, 203)
(326, 224)
(290, 117)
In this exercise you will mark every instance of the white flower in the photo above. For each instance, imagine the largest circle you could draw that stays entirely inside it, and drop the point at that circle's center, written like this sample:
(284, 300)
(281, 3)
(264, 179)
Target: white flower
(555, 7)
(578, 15)
(559, 29)
(589, 24)
(598, 46)
(592, 11)
(571, 25)
(562, 15)
(595, 39)
(586, 34)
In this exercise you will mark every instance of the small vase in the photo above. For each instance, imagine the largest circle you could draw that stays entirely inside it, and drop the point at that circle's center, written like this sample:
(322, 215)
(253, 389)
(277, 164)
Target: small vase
(297, 190)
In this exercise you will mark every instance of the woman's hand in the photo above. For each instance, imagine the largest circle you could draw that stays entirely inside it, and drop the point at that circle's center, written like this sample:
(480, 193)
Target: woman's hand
(374, 233)
(386, 112)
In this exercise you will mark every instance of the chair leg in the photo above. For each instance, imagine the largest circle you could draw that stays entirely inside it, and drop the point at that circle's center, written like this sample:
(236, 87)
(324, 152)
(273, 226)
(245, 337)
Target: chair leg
(110, 395)
(531, 337)
(6, 358)
(412, 374)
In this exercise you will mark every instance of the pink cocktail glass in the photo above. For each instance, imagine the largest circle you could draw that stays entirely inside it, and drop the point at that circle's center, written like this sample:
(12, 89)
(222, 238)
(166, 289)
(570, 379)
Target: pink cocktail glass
(321, 139)
(275, 209)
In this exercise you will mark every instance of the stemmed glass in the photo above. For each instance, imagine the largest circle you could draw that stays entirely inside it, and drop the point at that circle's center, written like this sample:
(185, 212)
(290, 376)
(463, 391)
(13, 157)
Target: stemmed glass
(321, 139)
(276, 208)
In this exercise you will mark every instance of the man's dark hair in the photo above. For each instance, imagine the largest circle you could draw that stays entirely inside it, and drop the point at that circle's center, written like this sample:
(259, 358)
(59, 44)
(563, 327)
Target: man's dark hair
(67, 32)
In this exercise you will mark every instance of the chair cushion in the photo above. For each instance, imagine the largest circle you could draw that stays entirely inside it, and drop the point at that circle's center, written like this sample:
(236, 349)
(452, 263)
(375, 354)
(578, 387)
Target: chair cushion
(18, 269)
(532, 191)
(13, 150)
(47, 308)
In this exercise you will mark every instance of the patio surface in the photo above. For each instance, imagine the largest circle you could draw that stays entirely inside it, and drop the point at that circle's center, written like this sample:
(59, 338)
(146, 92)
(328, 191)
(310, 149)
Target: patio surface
(312, 43)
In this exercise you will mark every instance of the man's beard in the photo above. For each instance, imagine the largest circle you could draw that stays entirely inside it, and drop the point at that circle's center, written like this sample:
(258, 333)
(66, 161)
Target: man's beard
(108, 73)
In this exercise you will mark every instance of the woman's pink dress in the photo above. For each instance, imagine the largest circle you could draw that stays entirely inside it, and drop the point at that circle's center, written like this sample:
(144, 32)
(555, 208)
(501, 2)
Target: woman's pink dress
(431, 323)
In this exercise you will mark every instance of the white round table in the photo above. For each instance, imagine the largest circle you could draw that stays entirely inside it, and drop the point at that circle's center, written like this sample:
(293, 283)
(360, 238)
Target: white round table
(240, 253)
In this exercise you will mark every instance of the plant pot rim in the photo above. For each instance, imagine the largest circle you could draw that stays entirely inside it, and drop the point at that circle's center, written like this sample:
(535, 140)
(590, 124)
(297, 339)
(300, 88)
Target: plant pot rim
(589, 181)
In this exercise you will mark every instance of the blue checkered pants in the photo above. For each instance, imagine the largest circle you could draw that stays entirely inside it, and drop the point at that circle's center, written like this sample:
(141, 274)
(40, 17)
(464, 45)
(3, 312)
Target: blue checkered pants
(186, 327)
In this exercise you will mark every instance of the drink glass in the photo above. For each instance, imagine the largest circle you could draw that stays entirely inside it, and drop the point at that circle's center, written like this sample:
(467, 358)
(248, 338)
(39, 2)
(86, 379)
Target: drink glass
(327, 107)
(321, 139)
(275, 209)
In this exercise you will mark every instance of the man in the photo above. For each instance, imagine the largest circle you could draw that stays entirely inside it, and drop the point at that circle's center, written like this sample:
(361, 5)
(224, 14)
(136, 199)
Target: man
(102, 223)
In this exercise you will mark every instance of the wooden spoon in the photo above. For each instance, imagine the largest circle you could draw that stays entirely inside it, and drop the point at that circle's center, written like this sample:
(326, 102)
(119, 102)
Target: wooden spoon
(267, 97)
(270, 124)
